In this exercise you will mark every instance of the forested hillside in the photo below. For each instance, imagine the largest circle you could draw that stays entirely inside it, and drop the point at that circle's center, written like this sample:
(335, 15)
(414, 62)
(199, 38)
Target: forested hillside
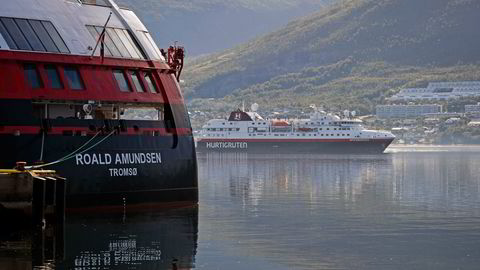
(352, 54)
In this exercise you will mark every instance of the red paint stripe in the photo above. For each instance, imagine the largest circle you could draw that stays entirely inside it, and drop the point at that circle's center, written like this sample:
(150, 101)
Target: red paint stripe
(21, 129)
(162, 131)
(60, 130)
(290, 140)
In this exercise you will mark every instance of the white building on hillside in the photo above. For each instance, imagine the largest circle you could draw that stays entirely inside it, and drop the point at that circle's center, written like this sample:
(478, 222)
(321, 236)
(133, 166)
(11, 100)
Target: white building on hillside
(440, 91)
(472, 108)
(406, 111)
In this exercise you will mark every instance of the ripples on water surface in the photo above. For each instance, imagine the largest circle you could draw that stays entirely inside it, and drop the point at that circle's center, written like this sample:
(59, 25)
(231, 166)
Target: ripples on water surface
(411, 208)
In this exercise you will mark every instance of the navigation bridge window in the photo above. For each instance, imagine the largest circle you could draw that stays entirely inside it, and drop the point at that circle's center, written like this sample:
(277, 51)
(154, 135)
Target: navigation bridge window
(32, 35)
(118, 42)
(102, 3)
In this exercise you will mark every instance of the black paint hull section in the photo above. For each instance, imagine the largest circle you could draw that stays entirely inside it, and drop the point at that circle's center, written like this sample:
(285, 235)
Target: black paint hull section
(173, 179)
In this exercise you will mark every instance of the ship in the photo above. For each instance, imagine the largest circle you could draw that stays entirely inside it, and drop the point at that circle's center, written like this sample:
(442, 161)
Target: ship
(321, 132)
(85, 91)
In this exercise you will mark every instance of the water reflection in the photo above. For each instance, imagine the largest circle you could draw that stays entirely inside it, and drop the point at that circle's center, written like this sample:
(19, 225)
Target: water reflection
(157, 240)
(401, 210)
(393, 211)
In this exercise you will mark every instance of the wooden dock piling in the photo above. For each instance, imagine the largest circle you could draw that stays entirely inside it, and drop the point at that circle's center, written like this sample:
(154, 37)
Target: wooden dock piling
(39, 194)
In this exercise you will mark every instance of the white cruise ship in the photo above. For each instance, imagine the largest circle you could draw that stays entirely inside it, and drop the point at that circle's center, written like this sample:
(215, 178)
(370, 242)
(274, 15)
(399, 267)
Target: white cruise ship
(320, 133)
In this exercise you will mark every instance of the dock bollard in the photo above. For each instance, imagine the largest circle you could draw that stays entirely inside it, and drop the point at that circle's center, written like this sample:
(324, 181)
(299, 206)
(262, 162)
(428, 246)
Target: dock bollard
(38, 201)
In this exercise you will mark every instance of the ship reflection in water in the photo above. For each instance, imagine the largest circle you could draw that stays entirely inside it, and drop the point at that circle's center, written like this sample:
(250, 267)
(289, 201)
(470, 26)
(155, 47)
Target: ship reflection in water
(165, 240)
(411, 208)
(401, 210)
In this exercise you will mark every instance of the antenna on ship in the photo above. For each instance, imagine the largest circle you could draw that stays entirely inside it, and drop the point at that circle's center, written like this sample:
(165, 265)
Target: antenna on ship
(101, 39)
(243, 105)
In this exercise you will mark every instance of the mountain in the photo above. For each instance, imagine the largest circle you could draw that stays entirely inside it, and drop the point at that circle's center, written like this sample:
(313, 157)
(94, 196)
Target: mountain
(354, 53)
(206, 26)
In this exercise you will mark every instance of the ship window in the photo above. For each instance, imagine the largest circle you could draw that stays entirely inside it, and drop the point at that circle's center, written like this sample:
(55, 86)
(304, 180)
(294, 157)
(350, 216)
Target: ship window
(143, 113)
(108, 42)
(7, 37)
(73, 77)
(57, 39)
(96, 3)
(136, 81)
(150, 83)
(149, 44)
(121, 80)
(30, 36)
(127, 41)
(16, 34)
(96, 35)
(116, 40)
(53, 77)
(43, 36)
(33, 78)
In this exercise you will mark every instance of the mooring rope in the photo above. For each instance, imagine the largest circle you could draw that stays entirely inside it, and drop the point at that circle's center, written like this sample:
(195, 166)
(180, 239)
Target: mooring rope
(74, 153)
(43, 145)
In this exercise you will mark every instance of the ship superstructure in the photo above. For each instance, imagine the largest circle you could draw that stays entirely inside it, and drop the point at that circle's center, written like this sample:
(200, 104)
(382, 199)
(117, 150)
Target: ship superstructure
(85, 90)
(322, 132)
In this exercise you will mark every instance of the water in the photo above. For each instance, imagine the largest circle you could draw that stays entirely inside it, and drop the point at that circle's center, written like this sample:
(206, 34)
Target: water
(411, 208)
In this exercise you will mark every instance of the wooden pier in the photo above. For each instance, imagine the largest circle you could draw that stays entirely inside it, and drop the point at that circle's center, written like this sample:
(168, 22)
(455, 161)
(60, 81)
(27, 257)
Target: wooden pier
(38, 194)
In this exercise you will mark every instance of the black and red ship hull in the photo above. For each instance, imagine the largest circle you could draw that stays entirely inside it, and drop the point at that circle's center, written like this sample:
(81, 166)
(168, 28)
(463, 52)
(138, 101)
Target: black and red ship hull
(314, 146)
(143, 163)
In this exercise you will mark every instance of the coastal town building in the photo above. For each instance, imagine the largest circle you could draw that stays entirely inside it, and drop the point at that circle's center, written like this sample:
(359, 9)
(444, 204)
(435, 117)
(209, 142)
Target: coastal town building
(472, 108)
(406, 111)
(440, 91)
